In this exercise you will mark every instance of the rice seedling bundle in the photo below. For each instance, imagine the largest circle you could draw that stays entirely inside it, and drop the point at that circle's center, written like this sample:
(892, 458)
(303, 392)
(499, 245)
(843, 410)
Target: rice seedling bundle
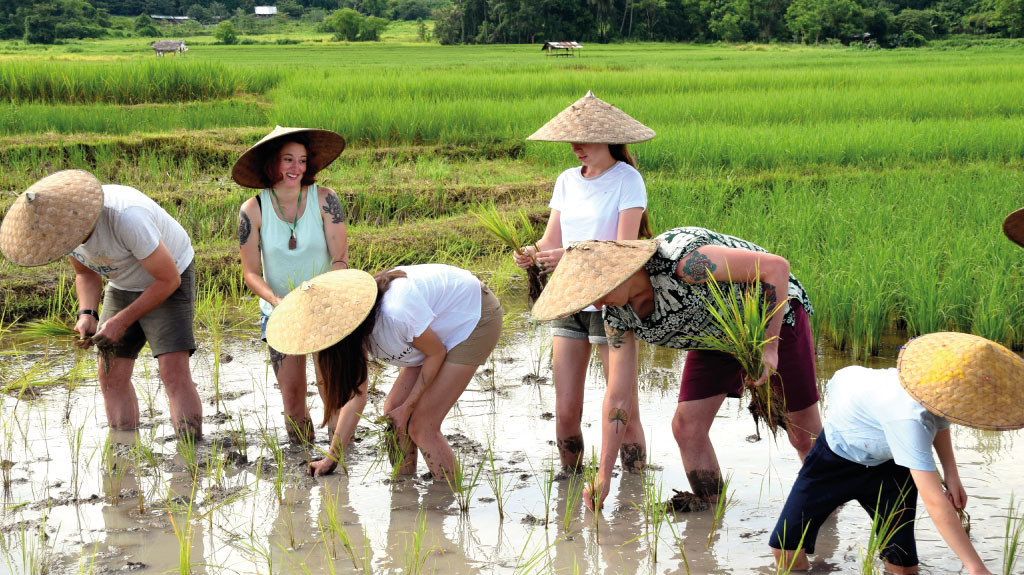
(517, 233)
(741, 314)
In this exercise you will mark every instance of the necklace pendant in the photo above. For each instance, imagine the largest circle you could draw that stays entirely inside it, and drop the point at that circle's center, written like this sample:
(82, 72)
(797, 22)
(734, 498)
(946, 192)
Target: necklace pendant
(291, 242)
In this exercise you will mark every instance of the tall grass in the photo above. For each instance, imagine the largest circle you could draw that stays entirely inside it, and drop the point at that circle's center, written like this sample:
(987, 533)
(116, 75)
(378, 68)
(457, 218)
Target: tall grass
(1013, 536)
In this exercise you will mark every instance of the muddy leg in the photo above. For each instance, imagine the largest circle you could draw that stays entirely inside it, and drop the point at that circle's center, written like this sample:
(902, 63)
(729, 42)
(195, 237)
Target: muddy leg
(290, 371)
(186, 409)
(570, 358)
(691, 427)
(434, 405)
(399, 393)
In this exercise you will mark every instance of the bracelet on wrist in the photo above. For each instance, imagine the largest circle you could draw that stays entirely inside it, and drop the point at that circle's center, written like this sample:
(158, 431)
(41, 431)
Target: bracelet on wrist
(91, 312)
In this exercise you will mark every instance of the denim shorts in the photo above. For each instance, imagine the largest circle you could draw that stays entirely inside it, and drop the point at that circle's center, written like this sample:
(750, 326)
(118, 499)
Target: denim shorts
(827, 480)
(587, 325)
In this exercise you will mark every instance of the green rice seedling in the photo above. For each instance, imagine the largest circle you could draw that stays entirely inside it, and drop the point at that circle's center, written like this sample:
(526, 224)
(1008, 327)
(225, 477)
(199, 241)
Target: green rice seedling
(181, 523)
(498, 484)
(187, 451)
(783, 567)
(654, 510)
(590, 477)
(725, 501)
(883, 526)
(236, 430)
(678, 540)
(335, 528)
(540, 561)
(386, 445)
(463, 482)
(75, 436)
(546, 484)
(271, 442)
(37, 549)
(515, 232)
(48, 328)
(416, 551)
(572, 501)
(1012, 537)
(743, 320)
(114, 467)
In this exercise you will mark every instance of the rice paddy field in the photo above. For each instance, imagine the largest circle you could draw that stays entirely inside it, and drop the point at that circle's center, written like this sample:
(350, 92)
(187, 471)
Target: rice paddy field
(883, 176)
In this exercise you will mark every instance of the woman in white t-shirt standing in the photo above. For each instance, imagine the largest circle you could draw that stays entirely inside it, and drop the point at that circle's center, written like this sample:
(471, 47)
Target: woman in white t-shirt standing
(602, 199)
(438, 323)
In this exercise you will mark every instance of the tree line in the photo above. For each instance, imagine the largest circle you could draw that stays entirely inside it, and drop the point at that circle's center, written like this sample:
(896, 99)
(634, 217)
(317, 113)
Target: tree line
(879, 22)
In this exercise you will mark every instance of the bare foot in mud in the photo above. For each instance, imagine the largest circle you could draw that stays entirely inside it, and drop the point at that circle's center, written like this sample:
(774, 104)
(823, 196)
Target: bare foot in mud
(685, 502)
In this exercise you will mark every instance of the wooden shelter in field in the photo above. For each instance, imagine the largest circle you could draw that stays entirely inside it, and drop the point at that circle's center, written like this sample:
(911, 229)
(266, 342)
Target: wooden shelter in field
(171, 19)
(175, 47)
(265, 11)
(562, 48)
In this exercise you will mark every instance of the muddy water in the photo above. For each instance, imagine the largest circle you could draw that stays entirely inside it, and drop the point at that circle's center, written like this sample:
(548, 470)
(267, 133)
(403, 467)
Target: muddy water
(128, 508)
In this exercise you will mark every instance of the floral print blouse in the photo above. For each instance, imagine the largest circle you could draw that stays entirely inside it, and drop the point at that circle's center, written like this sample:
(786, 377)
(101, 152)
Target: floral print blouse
(680, 316)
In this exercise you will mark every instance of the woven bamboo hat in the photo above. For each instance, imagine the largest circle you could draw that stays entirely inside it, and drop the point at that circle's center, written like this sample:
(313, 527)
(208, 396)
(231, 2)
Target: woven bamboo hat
(51, 218)
(591, 120)
(589, 271)
(321, 312)
(965, 378)
(1013, 227)
(324, 147)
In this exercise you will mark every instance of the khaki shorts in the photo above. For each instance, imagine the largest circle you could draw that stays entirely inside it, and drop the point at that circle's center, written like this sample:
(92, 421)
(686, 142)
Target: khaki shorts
(478, 346)
(167, 328)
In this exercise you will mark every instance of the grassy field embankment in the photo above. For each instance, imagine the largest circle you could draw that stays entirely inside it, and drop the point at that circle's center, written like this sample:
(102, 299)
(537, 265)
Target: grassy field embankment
(882, 176)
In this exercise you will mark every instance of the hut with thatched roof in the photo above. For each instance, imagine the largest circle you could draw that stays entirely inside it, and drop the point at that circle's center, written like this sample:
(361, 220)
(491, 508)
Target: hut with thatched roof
(162, 47)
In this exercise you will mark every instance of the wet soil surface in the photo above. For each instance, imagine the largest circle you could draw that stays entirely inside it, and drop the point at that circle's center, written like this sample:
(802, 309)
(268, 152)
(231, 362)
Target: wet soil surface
(83, 498)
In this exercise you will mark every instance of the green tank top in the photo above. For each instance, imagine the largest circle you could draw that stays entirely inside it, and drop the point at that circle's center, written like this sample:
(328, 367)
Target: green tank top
(283, 268)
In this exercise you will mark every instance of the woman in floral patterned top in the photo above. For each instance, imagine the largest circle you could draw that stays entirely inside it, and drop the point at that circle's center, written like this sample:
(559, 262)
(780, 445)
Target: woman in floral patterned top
(661, 303)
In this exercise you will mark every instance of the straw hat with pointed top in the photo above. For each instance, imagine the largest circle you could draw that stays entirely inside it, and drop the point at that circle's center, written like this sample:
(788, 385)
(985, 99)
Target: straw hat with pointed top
(591, 120)
(965, 378)
(1013, 227)
(324, 147)
(51, 218)
(589, 271)
(321, 312)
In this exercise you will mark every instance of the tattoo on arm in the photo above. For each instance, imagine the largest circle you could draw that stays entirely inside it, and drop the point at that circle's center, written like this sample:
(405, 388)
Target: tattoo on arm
(771, 299)
(697, 269)
(618, 416)
(244, 228)
(614, 335)
(334, 209)
(276, 358)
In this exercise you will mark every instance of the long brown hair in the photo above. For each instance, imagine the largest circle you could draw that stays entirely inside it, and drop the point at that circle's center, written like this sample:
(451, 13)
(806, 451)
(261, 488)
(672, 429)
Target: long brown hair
(345, 365)
(270, 175)
(621, 153)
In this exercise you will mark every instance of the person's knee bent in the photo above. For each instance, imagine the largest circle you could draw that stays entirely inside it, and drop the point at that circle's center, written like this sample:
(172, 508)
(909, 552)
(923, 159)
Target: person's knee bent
(423, 433)
(686, 431)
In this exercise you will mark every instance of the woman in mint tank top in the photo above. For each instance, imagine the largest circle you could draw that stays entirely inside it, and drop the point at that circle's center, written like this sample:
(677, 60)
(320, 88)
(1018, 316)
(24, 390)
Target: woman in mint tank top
(290, 232)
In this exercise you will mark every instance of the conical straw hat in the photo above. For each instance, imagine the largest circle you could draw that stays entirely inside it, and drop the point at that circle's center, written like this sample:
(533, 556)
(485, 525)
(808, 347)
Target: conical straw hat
(589, 271)
(965, 378)
(1013, 227)
(324, 147)
(321, 312)
(591, 120)
(51, 218)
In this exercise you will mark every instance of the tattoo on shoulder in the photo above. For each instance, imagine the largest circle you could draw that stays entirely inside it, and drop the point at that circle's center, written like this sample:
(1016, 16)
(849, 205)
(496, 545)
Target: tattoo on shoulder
(244, 228)
(618, 416)
(614, 335)
(697, 268)
(334, 209)
(771, 298)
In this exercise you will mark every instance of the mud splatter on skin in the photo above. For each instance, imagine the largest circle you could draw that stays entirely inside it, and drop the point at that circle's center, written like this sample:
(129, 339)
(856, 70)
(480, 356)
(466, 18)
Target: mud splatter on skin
(190, 429)
(300, 430)
(706, 483)
(633, 456)
(571, 449)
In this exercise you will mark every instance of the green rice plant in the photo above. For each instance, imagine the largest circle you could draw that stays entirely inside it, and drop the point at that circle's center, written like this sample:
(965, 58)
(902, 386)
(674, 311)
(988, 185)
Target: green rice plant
(590, 478)
(48, 328)
(463, 481)
(742, 318)
(725, 501)
(38, 556)
(236, 430)
(572, 501)
(187, 451)
(272, 443)
(385, 444)
(515, 232)
(782, 566)
(546, 484)
(75, 437)
(497, 482)
(416, 551)
(1012, 536)
(540, 561)
(115, 468)
(653, 509)
(884, 525)
(336, 530)
(181, 523)
(678, 540)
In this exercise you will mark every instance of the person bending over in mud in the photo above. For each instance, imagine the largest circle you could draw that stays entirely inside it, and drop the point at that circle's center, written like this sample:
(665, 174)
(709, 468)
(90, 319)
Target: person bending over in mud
(604, 198)
(439, 323)
(880, 428)
(116, 232)
(652, 290)
(289, 232)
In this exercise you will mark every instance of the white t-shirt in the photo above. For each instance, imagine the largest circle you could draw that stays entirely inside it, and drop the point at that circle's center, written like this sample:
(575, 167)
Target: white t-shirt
(444, 298)
(871, 419)
(129, 229)
(589, 207)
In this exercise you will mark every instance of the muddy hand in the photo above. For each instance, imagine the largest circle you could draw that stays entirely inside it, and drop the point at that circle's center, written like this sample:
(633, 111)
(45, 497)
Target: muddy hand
(524, 257)
(400, 418)
(109, 332)
(86, 327)
(588, 498)
(323, 466)
(548, 260)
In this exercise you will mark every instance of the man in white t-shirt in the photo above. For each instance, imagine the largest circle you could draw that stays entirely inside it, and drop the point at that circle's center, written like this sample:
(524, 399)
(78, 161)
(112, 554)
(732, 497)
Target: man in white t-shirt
(116, 232)
(876, 447)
